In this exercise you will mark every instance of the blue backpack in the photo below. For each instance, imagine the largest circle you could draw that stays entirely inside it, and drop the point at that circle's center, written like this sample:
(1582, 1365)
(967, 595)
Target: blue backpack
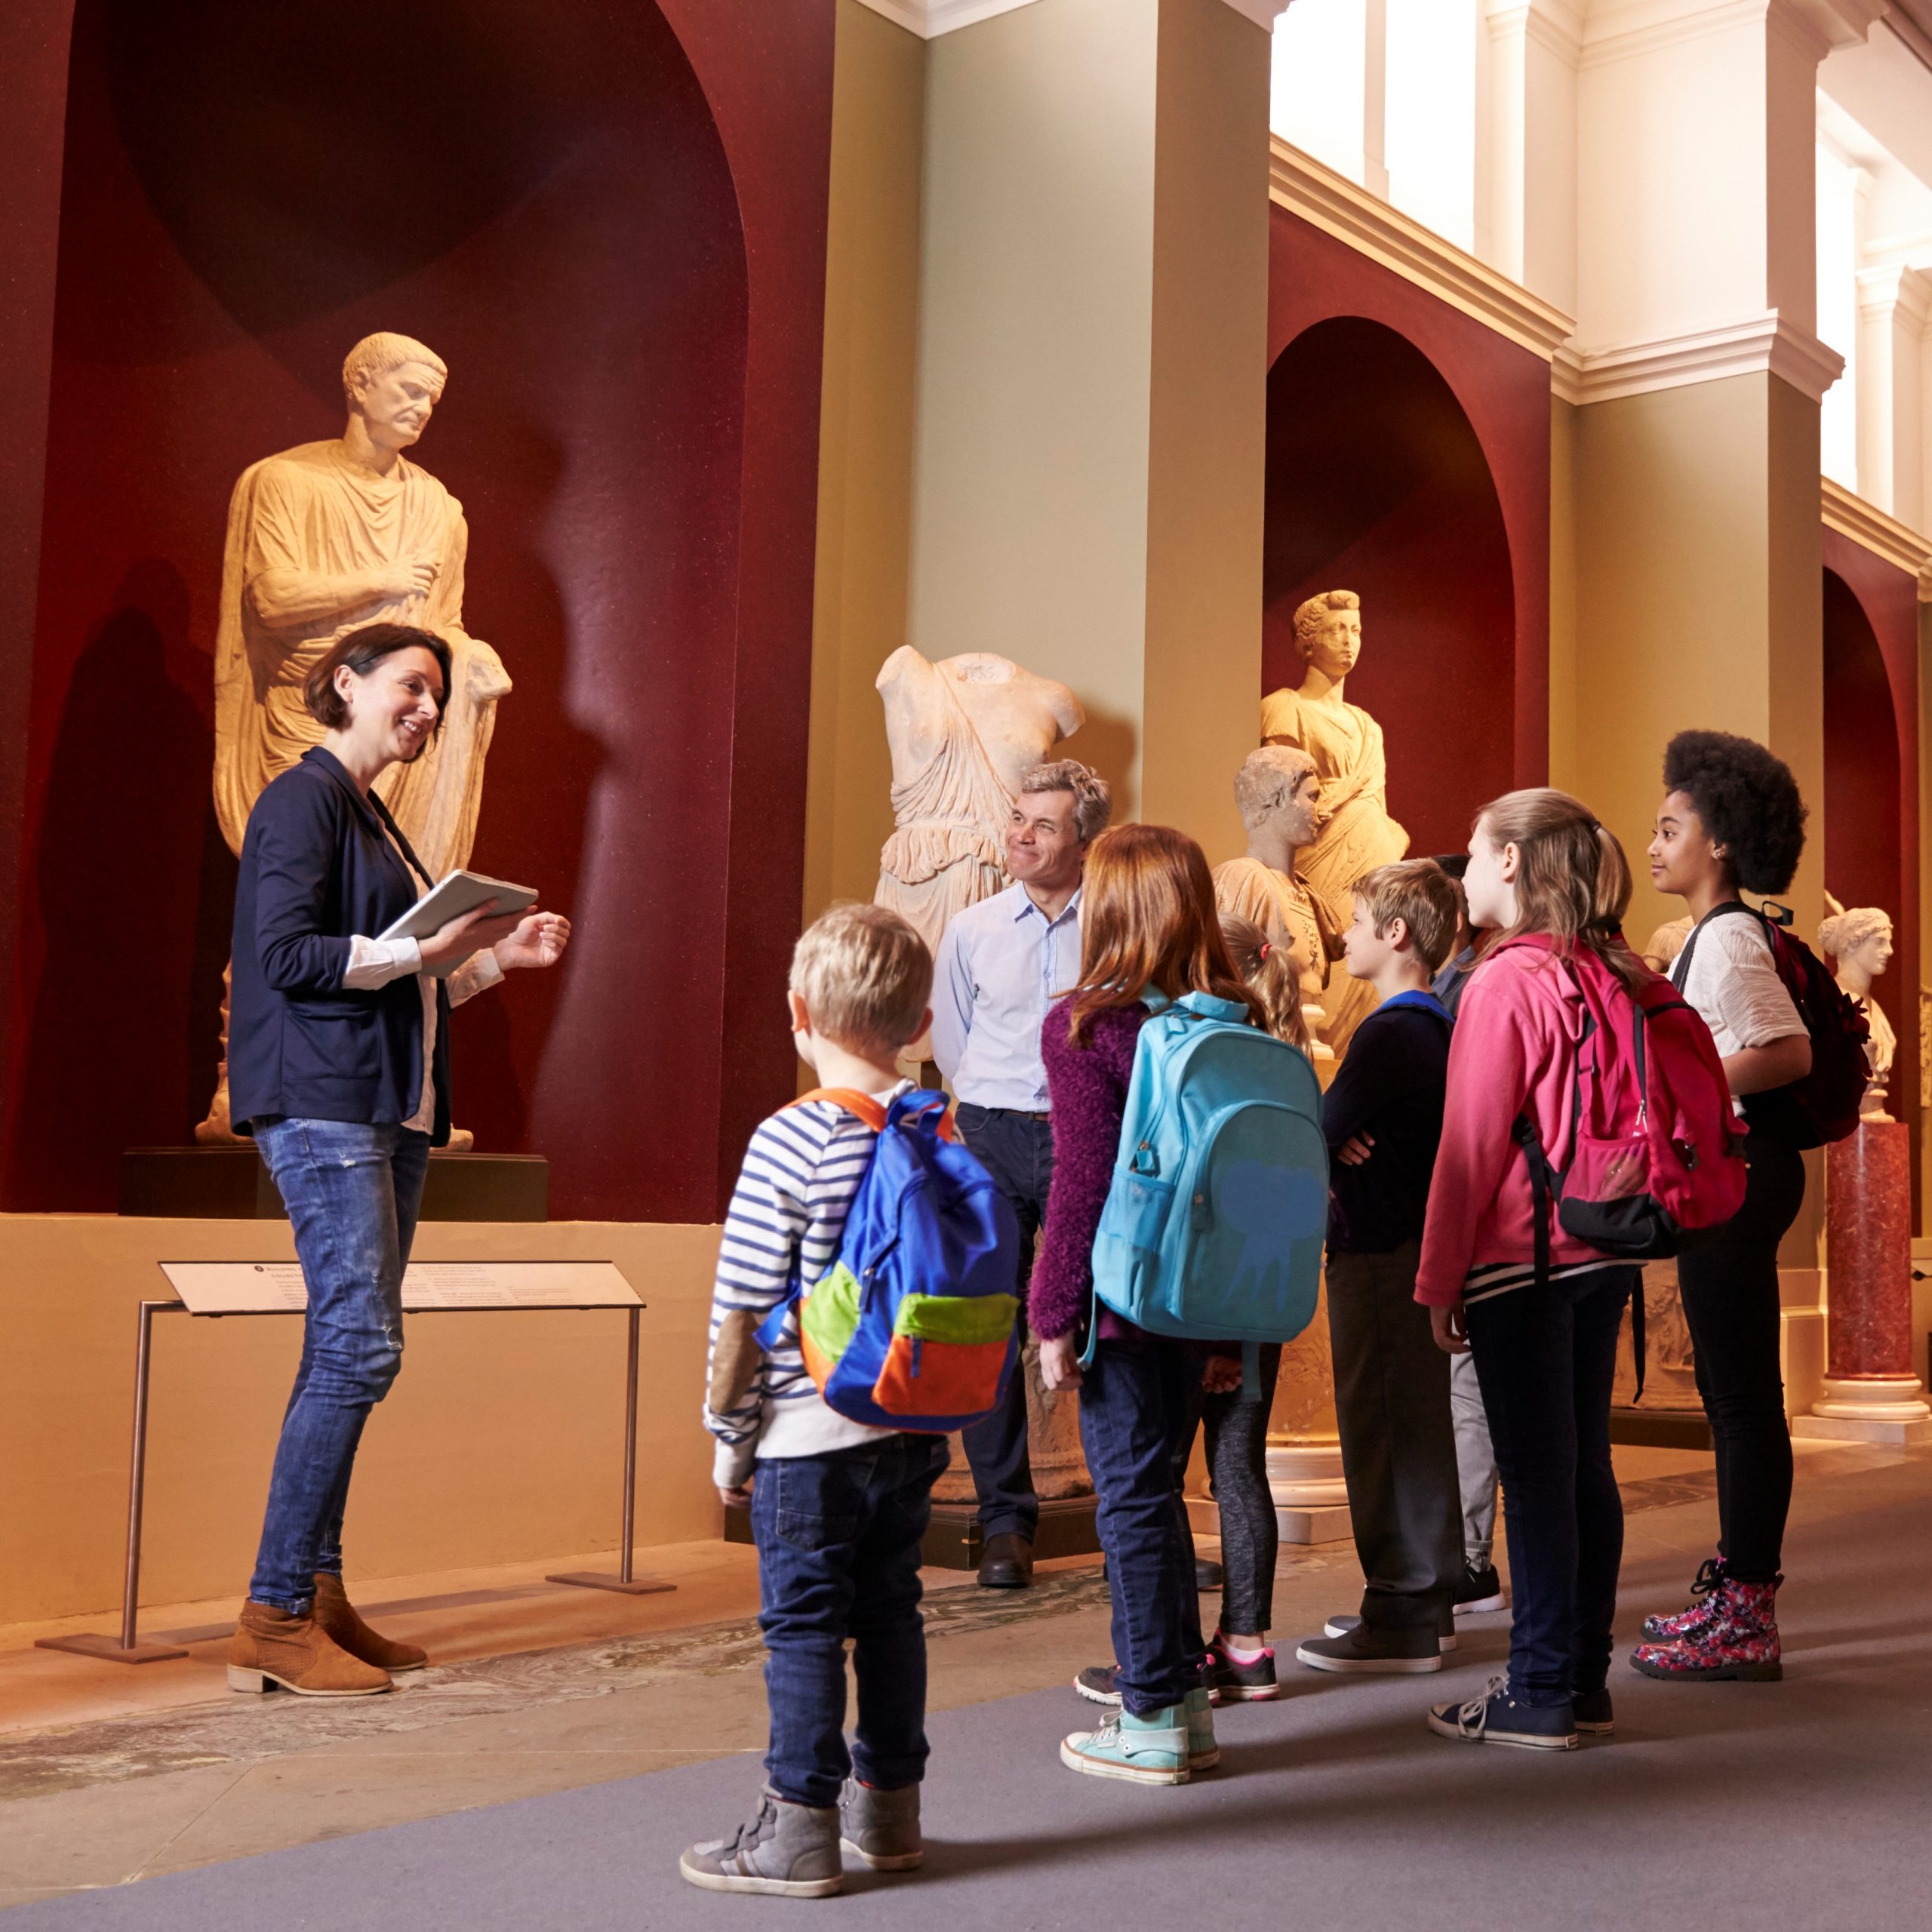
(913, 1326)
(1215, 1224)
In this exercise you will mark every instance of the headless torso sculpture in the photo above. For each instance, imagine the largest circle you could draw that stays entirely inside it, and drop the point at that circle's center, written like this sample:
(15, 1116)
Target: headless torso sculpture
(963, 733)
(322, 539)
(1355, 833)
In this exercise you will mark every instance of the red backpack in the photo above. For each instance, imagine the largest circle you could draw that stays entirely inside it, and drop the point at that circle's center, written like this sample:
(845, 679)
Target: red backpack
(1823, 1106)
(1656, 1162)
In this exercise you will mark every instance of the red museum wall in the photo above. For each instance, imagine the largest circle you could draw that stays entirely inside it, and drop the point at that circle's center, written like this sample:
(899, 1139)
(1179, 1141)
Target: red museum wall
(1871, 815)
(1409, 459)
(611, 223)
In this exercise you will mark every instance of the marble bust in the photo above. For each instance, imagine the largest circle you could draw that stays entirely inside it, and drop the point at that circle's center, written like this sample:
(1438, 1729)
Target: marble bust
(322, 539)
(1859, 943)
(1278, 795)
(1355, 833)
(962, 733)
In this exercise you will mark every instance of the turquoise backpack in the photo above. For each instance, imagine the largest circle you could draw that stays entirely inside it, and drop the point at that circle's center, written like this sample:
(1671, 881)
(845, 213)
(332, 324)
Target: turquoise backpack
(1213, 1226)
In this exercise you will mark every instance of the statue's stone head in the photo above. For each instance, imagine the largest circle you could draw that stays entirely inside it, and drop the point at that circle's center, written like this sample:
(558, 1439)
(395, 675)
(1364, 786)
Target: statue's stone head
(1861, 937)
(1328, 632)
(1277, 784)
(394, 383)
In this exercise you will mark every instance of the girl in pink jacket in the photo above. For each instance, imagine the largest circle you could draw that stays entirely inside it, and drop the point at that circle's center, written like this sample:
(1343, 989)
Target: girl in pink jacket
(1545, 1350)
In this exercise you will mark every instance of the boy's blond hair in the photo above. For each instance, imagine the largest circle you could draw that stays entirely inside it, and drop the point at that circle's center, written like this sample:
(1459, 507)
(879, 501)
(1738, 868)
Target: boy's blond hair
(1421, 894)
(865, 977)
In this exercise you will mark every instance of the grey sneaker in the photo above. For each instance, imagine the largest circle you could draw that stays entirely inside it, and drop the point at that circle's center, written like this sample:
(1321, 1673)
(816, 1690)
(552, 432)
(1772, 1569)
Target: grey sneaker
(881, 1827)
(1097, 1684)
(1401, 1652)
(788, 1850)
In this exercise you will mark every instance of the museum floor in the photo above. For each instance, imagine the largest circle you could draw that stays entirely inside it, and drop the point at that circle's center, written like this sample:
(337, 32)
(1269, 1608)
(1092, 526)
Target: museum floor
(547, 1772)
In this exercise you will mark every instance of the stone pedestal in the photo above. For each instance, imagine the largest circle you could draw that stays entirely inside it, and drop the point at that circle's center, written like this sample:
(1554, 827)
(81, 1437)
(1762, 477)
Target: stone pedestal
(1304, 1448)
(1871, 1394)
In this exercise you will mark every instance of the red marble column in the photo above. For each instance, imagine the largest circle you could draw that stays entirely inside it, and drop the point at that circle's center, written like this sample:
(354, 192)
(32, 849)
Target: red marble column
(1870, 1391)
(1868, 1223)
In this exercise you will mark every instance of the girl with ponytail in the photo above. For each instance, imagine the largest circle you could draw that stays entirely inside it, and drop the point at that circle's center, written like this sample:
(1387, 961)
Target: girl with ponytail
(1546, 881)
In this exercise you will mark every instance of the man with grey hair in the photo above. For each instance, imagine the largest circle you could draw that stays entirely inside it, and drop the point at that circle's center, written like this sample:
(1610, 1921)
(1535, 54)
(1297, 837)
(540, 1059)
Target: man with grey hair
(1001, 964)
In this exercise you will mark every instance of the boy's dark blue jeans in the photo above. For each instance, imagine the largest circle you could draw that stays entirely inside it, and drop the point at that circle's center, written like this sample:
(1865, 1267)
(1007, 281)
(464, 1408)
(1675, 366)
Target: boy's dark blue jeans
(838, 1539)
(1546, 1357)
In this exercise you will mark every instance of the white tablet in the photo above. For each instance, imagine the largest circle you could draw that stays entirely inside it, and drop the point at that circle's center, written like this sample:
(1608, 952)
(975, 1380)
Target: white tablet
(451, 897)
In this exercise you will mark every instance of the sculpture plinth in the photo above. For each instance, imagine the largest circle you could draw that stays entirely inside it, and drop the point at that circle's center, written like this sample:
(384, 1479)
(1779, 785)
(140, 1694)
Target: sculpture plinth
(1871, 1394)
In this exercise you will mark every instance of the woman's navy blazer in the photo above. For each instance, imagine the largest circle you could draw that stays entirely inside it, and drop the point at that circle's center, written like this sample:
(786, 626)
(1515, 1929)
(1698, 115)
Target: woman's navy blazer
(318, 868)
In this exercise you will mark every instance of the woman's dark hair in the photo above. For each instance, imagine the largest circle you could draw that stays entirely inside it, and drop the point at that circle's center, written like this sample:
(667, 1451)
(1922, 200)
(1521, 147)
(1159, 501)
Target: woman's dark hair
(362, 651)
(1749, 802)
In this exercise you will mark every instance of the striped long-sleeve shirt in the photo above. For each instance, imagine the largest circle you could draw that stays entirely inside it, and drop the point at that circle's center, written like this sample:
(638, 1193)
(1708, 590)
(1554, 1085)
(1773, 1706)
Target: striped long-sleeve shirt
(801, 1170)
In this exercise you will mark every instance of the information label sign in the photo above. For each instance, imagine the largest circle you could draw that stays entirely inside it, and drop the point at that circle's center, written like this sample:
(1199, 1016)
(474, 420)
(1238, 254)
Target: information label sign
(270, 1288)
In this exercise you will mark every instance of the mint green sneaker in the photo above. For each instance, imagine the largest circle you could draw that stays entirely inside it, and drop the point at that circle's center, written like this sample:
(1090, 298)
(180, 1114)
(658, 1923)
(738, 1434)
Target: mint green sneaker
(1203, 1753)
(1149, 1750)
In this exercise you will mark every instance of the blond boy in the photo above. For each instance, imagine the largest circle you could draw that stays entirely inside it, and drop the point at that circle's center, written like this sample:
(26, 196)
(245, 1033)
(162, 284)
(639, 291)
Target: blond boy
(838, 1509)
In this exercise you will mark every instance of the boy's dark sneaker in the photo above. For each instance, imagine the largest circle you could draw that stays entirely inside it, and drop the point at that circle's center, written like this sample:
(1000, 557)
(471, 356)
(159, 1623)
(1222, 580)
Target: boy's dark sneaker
(1230, 1682)
(1479, 1590)
(881, 1827)
(1497, 1718)
(1097, 1684)
(1446, 1639)
(789, 1850)
(1591, 1711)
(1399, 1652)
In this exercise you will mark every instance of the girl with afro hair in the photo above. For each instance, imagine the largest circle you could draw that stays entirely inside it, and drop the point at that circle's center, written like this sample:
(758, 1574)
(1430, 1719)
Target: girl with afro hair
(1732, 820)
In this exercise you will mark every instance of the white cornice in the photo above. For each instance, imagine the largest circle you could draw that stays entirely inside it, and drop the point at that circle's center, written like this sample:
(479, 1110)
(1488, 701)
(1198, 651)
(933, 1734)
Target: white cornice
(1898, 544)
(1555, 25)
(1336, 205)
(1768, 341)
(929, 19)
(1896, 287)
(1636, 27)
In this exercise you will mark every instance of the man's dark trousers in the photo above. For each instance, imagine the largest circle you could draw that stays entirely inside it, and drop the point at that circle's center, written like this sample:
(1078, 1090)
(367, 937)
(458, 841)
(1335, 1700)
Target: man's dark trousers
(1017, 1150)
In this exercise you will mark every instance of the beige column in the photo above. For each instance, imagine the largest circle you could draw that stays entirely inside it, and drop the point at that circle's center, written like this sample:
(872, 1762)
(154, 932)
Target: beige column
(1088, 468)
(1894, 310)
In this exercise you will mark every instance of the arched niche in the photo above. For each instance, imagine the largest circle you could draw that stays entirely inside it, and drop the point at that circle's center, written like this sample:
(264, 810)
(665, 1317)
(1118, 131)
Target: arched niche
(1376, 483)
(542, 195)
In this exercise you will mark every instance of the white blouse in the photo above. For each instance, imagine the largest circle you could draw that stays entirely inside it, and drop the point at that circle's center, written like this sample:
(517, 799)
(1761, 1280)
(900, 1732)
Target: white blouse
(1734, 985)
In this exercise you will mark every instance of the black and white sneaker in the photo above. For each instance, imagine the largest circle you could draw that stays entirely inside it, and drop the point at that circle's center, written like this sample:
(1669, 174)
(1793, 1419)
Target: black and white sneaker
(1446, 1639)
(1097, 1684)
(1394, 1653)
(1479, 1590)
(1497, 1718)
(1230, 1681)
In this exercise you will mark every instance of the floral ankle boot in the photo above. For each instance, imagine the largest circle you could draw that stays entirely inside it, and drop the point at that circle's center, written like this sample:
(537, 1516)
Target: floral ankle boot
(1740, 1641)
(1703, 1608)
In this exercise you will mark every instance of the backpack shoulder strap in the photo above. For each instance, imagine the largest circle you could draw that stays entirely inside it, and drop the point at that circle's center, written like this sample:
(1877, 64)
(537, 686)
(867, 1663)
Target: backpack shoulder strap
(1680, 967)
(871, 1112)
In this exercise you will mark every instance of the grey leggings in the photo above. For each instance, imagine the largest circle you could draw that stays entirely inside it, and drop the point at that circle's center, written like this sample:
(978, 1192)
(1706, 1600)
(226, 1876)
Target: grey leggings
(1237, 1433)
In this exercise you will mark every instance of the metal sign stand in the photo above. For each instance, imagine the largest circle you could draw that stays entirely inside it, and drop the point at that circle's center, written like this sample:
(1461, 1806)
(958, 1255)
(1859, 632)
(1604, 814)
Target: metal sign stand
(127, 1647)
(624, 1581)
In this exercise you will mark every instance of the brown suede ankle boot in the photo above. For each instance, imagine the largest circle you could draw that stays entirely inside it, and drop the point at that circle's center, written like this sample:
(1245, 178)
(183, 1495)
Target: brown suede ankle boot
(346, 1628)
(271, 1646)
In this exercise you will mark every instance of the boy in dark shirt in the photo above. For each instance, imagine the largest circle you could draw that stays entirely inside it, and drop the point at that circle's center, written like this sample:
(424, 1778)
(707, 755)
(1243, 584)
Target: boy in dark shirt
(1383, 1118)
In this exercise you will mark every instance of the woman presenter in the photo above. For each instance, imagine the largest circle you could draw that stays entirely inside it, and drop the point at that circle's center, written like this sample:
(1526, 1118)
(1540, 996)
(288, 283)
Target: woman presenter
(339, 1067)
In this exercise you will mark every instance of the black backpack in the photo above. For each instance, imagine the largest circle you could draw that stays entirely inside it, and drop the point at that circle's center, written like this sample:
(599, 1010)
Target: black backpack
(1823, 1106)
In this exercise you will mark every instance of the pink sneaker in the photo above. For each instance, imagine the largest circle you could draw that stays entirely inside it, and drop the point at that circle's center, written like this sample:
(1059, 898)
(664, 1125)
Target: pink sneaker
(1229, 1681)
(1687, 1622)
(1740, 1642)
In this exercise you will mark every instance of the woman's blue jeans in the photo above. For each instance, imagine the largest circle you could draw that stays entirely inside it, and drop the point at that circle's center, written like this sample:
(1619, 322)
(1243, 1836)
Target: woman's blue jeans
(352, 1192)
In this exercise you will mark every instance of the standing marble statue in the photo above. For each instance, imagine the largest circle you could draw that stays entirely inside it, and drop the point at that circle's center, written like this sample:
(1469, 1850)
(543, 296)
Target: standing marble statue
(1278, 795)
(1355, 834)
(1859, 944)
(322, 539)
(963, 733)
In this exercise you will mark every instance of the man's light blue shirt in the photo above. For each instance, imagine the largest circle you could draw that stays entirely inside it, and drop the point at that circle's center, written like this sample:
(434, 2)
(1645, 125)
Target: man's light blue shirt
(1001, 964)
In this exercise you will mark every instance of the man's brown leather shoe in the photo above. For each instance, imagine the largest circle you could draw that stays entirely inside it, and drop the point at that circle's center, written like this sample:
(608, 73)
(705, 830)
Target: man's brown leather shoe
(344, 1624)
(1006, 1563)
(271, 1646)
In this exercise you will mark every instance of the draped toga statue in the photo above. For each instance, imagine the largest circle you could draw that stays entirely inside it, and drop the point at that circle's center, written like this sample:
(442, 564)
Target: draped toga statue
(1355, 833)
(322, 539)
(963, 733)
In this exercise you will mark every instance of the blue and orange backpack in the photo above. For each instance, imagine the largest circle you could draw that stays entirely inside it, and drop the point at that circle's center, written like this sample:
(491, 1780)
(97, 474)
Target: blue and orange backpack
(913, 1326)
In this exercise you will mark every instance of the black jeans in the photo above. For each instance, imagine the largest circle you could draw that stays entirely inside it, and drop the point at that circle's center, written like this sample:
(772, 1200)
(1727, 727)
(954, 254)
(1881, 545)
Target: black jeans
(1135, 1401)
(838, 1538)
(1546, 1357)
(1398, 1439)
(1017, 1151)
(1729, 1288)
(1237, 1478)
